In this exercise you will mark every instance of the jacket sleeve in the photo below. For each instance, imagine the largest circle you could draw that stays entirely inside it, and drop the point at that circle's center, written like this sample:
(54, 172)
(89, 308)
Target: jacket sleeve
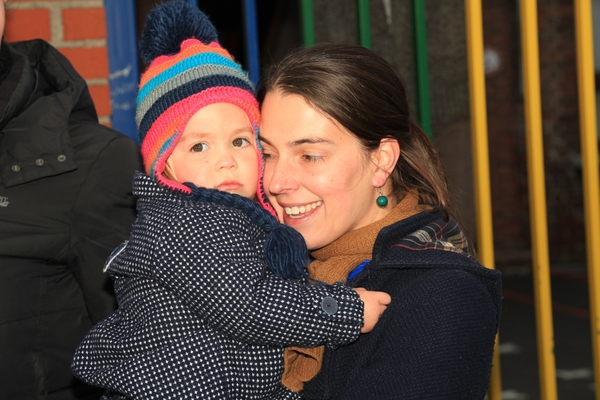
(216, 267)
(434, 341)
(102, 218)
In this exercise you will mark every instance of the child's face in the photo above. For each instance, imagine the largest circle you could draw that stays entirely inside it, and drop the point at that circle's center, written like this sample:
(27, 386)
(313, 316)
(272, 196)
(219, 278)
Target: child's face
(217, 150)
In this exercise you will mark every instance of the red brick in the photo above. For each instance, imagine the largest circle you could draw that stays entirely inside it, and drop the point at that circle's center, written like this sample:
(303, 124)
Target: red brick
(27, 24)
(84, 23)
(101, 96)
(89, 62)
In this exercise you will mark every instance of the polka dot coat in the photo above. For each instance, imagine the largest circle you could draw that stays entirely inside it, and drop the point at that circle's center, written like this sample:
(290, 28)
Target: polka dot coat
(200, 315)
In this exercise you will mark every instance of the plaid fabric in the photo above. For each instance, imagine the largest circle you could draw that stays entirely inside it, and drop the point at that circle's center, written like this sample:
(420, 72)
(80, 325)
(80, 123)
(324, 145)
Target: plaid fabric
(446, 236)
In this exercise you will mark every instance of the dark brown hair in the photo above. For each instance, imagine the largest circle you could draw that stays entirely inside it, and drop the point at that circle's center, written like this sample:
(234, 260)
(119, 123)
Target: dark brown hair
(363, 92)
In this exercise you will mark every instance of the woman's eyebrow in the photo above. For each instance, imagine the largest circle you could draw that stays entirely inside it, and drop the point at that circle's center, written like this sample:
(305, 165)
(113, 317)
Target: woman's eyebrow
(300, 142)
(262, 139)
(309, 141)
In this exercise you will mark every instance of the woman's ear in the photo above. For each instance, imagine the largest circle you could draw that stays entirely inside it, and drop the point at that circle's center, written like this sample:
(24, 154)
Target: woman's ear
(385, 158)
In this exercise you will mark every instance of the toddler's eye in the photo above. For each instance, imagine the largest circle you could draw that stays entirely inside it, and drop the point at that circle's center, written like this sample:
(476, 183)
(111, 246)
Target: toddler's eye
(199, 147)
(240, 142)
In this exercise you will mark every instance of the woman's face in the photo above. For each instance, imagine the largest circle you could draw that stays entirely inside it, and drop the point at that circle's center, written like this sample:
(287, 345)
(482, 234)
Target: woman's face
(317, 175)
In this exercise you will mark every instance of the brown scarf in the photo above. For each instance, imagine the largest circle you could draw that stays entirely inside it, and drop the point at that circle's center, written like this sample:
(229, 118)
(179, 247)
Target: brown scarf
(332, 264)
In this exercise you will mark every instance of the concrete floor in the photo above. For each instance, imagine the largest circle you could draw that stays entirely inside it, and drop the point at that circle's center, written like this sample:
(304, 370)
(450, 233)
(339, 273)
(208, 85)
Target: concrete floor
(572, 337)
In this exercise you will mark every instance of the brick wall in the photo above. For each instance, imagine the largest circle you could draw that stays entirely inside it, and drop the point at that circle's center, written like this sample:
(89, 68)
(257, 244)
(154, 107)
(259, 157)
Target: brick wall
(560, 121)
(508, 161)
(77, 28)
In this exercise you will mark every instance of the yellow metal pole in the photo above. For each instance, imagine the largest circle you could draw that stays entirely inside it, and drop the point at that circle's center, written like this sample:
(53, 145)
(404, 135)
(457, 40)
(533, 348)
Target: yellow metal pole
(537, 198)
(589, 155)
(480, 150)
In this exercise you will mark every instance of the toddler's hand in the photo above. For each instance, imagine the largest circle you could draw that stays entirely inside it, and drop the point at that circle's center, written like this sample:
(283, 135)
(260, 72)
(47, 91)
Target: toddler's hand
(375, 305)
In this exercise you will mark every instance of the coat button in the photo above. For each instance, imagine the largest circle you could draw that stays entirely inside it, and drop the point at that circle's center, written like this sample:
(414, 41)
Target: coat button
(39, 162)
(329, 305)
(16, 168)
(61, 158)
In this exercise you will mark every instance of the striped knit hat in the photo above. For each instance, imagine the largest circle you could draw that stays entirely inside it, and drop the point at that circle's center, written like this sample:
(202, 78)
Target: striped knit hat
(187, 70)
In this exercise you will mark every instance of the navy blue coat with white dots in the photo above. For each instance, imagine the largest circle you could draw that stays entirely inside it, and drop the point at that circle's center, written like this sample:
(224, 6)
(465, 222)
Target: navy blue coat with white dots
(200, 315)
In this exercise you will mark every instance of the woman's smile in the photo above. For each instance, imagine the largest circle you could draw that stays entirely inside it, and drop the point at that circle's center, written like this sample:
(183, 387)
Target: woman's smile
(295, 212)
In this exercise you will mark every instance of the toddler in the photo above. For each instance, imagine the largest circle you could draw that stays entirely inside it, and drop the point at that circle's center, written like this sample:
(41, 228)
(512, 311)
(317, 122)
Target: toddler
(204, 309)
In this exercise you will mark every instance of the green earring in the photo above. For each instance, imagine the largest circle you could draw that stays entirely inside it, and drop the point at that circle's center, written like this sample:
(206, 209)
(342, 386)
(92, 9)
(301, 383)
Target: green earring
(382, 201)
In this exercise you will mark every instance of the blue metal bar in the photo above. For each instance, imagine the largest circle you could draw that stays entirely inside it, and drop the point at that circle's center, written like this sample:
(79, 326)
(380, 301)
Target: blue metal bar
(251, 38)
(123, 64)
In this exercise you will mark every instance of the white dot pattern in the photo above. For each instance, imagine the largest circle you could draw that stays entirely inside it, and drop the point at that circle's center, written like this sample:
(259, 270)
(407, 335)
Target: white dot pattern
(200, 315)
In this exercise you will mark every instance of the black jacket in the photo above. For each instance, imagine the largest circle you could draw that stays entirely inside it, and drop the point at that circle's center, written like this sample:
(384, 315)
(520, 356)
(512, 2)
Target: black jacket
(436, 338)
(65, 204)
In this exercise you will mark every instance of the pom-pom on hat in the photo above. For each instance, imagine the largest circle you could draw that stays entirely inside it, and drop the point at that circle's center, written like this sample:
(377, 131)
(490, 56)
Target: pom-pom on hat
(187, 70)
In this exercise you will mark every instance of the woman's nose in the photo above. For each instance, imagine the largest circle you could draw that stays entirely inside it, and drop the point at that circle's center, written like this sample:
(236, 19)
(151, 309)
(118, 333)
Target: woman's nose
(279, 177)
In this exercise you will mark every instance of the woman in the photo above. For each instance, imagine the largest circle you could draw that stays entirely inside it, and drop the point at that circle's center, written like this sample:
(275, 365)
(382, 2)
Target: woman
(66, 203)
(348, 168)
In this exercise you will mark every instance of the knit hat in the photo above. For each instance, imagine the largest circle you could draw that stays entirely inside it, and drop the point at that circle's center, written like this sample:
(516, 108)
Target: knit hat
(187, 70)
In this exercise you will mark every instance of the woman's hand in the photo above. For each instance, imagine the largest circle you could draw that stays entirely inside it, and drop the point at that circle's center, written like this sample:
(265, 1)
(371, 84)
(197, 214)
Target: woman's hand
(375, 304)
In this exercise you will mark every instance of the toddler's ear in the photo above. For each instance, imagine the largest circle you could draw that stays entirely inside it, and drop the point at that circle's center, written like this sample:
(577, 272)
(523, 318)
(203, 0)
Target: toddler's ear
(169, 171)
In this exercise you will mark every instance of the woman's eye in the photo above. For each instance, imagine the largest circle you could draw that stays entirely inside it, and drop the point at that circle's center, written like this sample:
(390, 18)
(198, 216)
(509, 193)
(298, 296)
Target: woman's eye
(240, 142)
(199, 147)
(311, 158)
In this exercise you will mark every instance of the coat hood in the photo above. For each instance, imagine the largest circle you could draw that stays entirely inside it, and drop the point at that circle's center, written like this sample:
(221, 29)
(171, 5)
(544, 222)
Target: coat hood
(43, 97)
(430, 242)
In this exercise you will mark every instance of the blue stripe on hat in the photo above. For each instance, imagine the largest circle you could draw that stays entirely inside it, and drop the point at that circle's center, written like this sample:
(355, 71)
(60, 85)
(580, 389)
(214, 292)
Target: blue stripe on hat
(186, 63)
(181, 79)
(187, 90)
